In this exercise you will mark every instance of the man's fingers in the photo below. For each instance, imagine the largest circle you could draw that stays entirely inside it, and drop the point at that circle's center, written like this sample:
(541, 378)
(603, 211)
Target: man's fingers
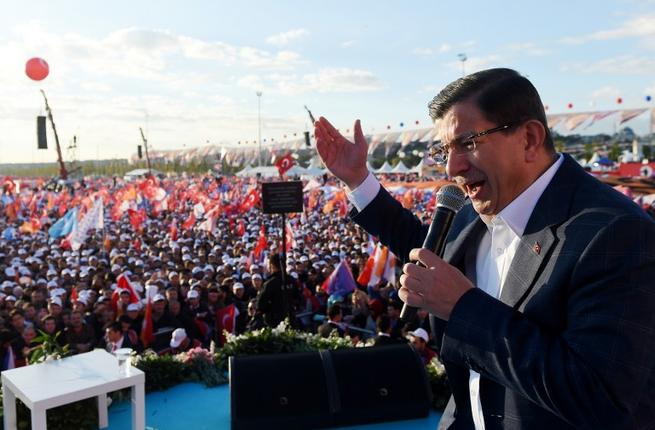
(359, 135)
(425, 256)
(410, 297)
(412, 283)
(329, 128)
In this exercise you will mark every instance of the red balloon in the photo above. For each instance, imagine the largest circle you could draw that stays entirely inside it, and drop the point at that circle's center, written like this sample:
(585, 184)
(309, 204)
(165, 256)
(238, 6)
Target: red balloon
(570, 105)
(37, 69)
(619, 100)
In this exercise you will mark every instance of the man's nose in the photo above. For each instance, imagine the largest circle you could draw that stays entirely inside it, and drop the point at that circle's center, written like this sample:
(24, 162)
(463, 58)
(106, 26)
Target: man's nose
(457, 164)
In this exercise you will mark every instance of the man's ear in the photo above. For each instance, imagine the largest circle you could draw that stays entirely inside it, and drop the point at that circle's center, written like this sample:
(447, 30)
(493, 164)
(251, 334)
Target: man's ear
(534, 135)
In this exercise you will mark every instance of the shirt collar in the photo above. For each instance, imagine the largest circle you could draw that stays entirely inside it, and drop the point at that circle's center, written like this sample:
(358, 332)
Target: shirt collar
(517, 214)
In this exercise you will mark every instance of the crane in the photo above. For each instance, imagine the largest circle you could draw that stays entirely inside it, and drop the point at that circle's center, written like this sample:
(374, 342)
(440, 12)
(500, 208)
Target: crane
(145, 144)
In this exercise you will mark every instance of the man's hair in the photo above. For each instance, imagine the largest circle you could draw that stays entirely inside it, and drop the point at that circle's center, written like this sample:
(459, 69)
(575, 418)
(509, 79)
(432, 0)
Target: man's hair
(114, 326)
(383, 323)
(48, 317)
(502, 95)
(334, 310)
(15, 312)
(276, 261)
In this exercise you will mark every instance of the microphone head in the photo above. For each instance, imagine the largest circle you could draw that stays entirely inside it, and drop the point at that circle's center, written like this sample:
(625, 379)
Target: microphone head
(451, 197)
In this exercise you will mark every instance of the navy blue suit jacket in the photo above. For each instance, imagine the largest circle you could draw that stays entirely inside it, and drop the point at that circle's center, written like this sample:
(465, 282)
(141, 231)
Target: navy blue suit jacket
(571, 342)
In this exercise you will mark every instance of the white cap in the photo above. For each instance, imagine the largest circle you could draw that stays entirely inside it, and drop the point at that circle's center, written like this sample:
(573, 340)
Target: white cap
(158, 298)
(237, 286)
(193, 294)
(55, 300)
(179, 334)
(132, 307)
(421, 333)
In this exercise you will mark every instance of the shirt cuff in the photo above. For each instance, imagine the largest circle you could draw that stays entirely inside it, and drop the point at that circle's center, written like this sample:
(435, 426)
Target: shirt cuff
(364, 194)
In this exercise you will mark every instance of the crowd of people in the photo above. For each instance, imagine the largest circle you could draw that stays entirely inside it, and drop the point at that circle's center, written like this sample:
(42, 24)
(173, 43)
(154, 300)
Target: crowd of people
(163, 273)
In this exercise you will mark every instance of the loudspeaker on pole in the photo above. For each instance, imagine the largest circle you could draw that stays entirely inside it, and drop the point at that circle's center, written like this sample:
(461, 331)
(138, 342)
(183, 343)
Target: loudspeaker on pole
(307, 141)
(42, 140)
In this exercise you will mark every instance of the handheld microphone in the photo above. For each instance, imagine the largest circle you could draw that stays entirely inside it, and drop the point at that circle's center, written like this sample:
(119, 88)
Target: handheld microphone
(450, 199)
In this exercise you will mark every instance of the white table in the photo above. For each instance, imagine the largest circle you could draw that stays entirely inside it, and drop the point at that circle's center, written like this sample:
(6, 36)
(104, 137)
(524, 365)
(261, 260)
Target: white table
(59, 382)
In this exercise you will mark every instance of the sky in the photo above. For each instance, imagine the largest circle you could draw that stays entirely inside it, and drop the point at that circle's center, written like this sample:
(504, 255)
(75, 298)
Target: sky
(189, 72)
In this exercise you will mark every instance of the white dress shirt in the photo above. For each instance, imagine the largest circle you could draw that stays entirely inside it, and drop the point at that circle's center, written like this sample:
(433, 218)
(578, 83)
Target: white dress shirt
(495, 251)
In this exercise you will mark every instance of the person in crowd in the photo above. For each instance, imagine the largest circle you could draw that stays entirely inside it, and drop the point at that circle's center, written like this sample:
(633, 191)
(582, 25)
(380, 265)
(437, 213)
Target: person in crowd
(334, 323)
(419, 339)
(180, 342)
(255, 318)
(79, 335)
(273, 301)
(115, 338)
(384, 336)
(544, 272)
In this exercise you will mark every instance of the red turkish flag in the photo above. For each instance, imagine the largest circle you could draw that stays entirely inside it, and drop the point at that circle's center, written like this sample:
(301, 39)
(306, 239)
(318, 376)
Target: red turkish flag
(252, 198)
(261, 242)
(225, 320)
(190, 222)
(284, 164)
(147, 335)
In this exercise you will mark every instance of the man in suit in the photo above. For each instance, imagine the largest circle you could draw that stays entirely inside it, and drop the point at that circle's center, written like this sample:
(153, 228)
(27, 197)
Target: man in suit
(543, 303)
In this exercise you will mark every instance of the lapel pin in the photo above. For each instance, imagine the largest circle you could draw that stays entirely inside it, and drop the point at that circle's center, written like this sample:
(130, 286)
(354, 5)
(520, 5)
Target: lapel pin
(536, 248)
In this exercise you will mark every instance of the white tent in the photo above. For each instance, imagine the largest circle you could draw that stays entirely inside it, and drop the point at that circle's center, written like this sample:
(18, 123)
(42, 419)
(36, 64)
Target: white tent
(266, 171)
(140, 173)
(386, 168)
(400, 168)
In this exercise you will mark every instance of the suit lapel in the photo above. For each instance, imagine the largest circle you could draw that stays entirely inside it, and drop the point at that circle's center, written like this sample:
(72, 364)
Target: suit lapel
(467, 238)
(539, 238)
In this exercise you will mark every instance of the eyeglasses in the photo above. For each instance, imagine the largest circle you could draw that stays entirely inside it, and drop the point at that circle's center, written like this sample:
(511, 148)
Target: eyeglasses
(439, 151)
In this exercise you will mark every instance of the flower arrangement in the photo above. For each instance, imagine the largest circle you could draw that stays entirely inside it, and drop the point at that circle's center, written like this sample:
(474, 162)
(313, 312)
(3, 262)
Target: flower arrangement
(196, 353)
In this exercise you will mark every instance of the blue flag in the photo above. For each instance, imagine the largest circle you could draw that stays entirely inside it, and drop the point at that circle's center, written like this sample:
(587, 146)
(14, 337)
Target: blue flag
(341, 281)
(9, 234)
(64, 225)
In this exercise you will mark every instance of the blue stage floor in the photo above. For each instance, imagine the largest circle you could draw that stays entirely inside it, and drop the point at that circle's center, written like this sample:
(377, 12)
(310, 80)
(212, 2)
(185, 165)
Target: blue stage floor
(192, 406)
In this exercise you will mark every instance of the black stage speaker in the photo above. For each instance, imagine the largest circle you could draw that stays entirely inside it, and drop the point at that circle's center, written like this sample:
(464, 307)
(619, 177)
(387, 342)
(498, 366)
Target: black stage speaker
(281, 391)
(307, 142)
(42, 140)
(138, 151)
(328, 388)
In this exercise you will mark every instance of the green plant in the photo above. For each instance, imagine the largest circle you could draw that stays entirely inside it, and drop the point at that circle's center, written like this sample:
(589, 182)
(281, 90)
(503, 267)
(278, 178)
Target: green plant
(162, 372)
(279, 340)
(48, 349)
(438, 384)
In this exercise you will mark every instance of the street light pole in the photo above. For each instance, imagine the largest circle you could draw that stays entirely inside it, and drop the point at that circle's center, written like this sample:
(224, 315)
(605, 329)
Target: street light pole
(259, 126)
(462, 57)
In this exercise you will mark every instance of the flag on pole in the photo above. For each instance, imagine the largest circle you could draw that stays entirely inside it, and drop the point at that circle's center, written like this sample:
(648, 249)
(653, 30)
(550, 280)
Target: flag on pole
(261, 242)
(379, 264)
(284, 164)
(340, 281)
(226, 320)
(147, 331)
(64, 225)
(94, 219)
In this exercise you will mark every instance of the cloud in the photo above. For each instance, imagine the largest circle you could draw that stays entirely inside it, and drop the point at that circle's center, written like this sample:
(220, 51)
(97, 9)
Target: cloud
(348, 43)
(445, 48)
(327, 80)
(640, 27)
(621, 65)
(282, 39)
